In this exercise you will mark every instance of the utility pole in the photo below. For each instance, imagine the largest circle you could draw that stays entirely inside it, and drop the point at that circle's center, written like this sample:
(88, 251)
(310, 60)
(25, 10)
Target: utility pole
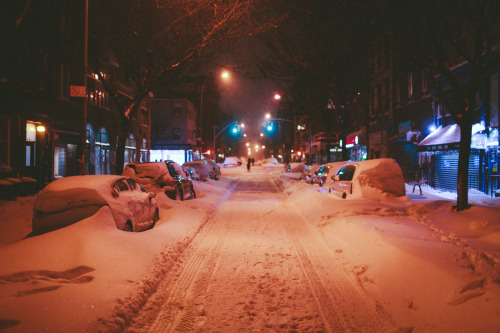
(83, 134)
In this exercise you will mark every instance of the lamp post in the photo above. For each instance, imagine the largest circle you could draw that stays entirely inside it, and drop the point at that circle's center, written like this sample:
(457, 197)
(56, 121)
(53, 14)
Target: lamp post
(224, 75)
(222, 130)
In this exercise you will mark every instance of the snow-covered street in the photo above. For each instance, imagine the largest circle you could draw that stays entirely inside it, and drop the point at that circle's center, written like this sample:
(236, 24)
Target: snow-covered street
(259, 251)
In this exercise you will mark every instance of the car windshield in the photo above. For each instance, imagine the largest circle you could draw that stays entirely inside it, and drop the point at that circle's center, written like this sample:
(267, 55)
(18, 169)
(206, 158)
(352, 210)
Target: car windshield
(172, 170)
(121, 186)
(346, 172)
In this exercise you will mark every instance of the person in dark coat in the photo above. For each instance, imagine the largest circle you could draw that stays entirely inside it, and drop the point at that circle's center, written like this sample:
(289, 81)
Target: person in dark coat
(253, 161)
(248, 164)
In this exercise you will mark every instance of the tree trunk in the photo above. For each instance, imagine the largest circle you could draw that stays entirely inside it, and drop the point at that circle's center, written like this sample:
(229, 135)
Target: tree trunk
(120, 145)
(463, 164)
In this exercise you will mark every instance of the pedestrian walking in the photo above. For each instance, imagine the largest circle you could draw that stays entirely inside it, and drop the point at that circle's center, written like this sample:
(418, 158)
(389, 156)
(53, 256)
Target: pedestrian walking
(248, 164)
(253, 161)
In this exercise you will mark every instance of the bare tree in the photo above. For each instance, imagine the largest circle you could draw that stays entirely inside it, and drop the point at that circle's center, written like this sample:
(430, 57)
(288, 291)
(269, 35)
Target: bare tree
(153, 38)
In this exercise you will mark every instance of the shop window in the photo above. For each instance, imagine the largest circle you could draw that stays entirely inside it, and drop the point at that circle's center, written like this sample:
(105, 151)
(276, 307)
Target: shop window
(59, 161)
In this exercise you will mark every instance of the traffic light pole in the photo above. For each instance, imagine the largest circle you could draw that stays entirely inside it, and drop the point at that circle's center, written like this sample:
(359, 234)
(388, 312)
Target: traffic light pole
(217, 135)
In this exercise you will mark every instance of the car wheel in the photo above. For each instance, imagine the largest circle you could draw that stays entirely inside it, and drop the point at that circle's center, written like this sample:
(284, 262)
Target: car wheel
(128, 227)
(321, 182)
(156, 217)
(344, 196)
(179, 195)
(329, 190)
(193, 193)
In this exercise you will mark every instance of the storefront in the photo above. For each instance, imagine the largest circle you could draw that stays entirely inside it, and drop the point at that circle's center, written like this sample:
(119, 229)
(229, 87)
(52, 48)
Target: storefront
(439, 154)
(356, 146)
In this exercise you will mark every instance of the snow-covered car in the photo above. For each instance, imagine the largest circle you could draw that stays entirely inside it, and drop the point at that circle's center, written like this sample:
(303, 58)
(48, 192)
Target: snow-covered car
(205, 170)
(166, 176)
(71, 199)
(370, 178)
(231, 162)
(295, 167)
(216, 168)
(309, 171)
(270, 162)
(191, 172)
(325, 172)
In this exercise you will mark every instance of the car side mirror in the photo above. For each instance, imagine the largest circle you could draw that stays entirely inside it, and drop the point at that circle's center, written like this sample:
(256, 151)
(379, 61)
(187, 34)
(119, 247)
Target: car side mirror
(337, 177)
(152, 195)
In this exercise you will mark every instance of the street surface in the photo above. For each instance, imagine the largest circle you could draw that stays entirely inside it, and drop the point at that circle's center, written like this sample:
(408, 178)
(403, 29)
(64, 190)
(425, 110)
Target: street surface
(258, 265)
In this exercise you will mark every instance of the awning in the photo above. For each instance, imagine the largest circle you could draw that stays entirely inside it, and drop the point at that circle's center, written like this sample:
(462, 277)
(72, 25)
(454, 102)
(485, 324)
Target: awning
(444, 138)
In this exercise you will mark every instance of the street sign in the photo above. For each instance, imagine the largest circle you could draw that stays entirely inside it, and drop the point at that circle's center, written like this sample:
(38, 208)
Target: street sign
(77, 91)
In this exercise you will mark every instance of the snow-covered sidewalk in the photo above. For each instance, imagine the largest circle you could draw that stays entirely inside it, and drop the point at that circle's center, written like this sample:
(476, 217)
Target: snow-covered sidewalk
(431, 268)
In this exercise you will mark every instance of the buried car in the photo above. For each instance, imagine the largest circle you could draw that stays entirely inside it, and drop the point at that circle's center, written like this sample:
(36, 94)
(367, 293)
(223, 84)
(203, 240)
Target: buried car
(325, 172)
(216, 168)
(309, 171)
(204, 170)
(71, 199)
(167, 176)
(369, 178)
(231, 162)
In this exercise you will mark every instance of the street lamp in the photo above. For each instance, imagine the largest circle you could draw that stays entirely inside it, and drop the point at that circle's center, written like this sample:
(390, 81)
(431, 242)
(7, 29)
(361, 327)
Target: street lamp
(224, 75)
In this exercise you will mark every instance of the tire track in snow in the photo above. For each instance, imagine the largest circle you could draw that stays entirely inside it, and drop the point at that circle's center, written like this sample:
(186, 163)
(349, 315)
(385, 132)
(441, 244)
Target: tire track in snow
(179, 309)
(343, 305)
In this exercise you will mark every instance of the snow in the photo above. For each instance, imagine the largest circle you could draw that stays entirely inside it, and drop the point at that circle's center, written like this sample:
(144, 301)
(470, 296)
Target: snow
(377, 177)
(442, 135)
(429, 267)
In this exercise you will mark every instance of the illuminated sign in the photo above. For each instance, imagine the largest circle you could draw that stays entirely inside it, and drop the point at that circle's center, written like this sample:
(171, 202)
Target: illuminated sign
(351, 141)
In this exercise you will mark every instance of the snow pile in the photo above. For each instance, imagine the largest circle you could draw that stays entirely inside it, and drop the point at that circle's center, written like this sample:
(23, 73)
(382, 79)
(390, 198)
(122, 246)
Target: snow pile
(378, 178)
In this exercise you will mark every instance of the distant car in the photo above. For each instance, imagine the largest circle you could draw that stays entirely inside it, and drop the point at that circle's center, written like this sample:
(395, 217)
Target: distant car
(71, 199)
(323, 174)
(231, 162)
(369, 179)
(166, 176)
(204, 170)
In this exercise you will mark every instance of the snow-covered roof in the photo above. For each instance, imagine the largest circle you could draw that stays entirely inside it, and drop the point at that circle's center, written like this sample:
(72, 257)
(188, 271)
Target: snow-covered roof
(443, 135)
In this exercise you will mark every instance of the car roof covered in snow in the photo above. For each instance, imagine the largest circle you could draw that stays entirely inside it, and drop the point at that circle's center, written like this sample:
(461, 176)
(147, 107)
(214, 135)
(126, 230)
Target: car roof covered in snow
(76, 190)
(383, 174)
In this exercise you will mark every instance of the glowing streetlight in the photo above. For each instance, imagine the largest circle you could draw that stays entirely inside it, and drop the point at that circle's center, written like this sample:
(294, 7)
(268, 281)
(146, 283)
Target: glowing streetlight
(277, 97)
(261, 134)
(268, 115)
